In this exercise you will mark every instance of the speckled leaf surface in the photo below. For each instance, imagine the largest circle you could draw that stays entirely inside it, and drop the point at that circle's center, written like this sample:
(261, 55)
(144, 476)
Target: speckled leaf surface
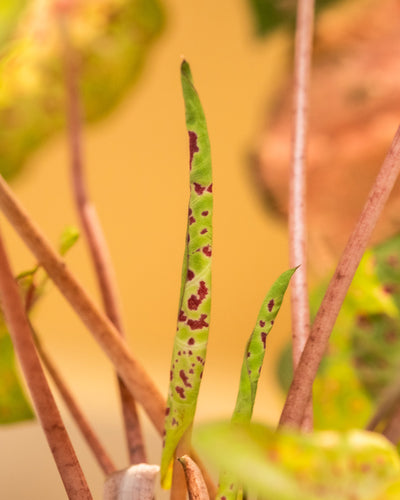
(111, 39)
(251, 369)
(190, 344)
(325, 465)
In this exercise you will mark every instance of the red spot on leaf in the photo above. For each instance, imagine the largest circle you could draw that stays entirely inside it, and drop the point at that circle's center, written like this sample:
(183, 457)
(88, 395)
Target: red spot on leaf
(209, 189)
(200, 360)
(263, 338)
(198, 324)
(205, 213)
(171, 375)
(180, 391)
(193, 148)
(174, 421)
(271, 304)
(185, 379)
(204, 231)
(193, 302)
(207, 251)
(190, 353)
(262, 323)
(191, 371)
(182, 316)
(248, 354)
(167, 410)
(190, 275)
(203, 290)
(191, 341)
(192, 220)
(199, 188)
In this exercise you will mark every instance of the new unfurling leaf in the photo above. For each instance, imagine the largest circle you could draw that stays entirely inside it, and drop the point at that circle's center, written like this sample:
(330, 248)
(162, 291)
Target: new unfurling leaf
(190, 345)
(251, 369)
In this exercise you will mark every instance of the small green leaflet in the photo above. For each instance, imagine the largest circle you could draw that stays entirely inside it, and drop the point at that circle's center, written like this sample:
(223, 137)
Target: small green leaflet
(251, 368)
(68, 238)
(190, 344)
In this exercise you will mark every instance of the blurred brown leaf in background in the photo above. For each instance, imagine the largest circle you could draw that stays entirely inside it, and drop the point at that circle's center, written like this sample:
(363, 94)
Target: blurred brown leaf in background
(354, 113)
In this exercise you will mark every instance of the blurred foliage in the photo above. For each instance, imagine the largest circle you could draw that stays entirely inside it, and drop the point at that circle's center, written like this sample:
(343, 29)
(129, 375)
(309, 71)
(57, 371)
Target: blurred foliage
(14, 406)
(364, 352)
(285, 465)
(269, 15)
(9, 13)
(111, 39)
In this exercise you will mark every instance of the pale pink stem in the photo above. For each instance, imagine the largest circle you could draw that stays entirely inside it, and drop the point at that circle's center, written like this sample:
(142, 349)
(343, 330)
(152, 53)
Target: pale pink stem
(300, 310)
(301, 388)
(57, 437)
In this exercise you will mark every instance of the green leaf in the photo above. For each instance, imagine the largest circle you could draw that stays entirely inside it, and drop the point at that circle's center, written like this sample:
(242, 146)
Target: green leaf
(190, 346)
(68, 238)
(10, 10)
(14, 406)
(255, 349)
(251, 369)
(291, 466)
(364, 352)
(111, 39)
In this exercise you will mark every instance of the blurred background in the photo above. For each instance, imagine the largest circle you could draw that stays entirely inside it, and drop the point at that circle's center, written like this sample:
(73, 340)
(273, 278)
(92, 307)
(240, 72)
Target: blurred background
(137, 168)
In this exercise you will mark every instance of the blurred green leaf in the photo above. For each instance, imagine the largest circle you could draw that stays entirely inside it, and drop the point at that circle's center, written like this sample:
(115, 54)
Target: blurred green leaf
(253, 359)
(14, 406)
(269, 15)
(68, 238)
(288, 466)
(9, 13)
(364, 351)
(111, 38)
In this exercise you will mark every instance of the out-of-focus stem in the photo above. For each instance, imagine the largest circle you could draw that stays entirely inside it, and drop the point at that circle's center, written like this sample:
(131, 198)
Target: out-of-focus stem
(301, 388)
(108, 337)
(91, 439)
(95, 237)
(64, 455)
(300, 310)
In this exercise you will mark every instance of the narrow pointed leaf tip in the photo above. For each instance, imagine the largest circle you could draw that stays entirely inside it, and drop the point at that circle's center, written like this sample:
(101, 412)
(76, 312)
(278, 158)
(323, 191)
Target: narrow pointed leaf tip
(190, 345)
(251, 369)
(256, 346)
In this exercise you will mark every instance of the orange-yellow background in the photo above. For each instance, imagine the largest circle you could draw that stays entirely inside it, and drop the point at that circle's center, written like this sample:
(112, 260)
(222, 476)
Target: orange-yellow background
(137, 168)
